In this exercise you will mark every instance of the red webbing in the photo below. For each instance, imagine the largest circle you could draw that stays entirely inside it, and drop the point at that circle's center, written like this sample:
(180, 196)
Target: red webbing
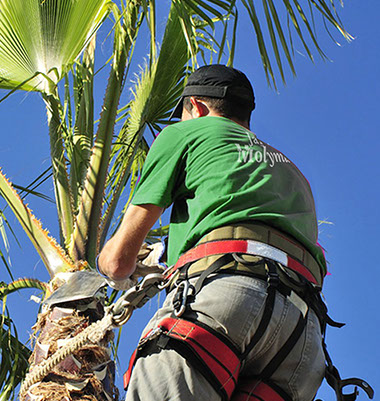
(212, 248)
(251, 391)
(217, 354)
(233, 246)
(301, 269)
(127, 375)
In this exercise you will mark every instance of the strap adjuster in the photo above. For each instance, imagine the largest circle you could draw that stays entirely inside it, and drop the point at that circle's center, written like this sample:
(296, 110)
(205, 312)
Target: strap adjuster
(273, 278)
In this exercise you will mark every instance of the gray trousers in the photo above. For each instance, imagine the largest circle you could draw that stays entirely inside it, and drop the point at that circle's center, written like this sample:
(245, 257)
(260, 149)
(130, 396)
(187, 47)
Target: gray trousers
(233, 305)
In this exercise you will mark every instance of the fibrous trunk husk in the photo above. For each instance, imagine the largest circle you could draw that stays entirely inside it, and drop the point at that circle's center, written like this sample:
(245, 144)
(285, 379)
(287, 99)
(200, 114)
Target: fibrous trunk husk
(89, 373)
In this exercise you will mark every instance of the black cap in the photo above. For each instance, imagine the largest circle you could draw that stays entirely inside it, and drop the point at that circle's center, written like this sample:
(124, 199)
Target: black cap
(217, 81)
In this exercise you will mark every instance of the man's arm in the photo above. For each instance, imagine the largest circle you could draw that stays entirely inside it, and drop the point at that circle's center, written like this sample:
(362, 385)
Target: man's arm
(117, 260)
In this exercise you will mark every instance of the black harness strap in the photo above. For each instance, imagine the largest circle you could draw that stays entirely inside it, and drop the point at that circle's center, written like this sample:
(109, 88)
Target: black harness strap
(285, 349)
(185, 292)
(337, 383)
(273, 281)
(213, 268)
(253, 389)
(314, 299)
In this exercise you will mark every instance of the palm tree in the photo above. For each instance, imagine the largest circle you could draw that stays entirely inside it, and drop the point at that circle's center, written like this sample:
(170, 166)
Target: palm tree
(49, 47)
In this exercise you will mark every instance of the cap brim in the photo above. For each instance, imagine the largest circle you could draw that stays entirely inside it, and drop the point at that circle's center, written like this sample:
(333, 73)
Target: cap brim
(177, 112)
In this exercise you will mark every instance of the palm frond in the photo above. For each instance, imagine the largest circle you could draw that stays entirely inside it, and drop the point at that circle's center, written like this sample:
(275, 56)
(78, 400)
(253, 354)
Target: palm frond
(53, 256)
(194, 15)
(275, 14)
(28, 191)
(14, 358)
(85, 237)
(20, 284)
(44, 37)
(148, 106)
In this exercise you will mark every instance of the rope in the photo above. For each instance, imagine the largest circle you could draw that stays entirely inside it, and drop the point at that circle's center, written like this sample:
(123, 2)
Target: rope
(116, 315)
(93, 333)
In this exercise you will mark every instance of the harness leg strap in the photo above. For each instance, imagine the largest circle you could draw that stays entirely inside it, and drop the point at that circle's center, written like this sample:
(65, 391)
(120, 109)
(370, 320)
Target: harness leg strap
(256, 390)
(209, 352)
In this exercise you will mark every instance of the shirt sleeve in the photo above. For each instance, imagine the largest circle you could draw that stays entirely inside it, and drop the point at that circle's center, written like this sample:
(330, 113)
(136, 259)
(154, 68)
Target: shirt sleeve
(162, 169)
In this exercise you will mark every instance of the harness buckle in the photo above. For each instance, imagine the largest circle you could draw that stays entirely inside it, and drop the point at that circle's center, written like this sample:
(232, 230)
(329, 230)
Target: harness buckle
(273, 278)
(150, 336)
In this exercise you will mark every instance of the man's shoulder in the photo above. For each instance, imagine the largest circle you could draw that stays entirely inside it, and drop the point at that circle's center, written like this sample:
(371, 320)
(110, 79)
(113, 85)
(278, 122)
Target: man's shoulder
(202, 123)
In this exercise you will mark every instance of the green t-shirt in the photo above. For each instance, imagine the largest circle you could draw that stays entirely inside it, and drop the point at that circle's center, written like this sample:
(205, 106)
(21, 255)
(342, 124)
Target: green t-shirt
(216, 172)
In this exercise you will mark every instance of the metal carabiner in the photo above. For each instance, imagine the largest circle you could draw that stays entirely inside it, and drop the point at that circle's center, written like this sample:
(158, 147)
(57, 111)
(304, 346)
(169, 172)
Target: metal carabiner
(180, 300)
(136, 297)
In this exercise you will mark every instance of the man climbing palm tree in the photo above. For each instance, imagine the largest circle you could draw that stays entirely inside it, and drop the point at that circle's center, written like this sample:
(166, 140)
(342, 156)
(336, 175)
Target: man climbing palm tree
(239, 319)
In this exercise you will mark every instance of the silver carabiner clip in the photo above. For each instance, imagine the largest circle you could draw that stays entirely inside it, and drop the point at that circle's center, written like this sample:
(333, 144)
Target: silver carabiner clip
(180, 300)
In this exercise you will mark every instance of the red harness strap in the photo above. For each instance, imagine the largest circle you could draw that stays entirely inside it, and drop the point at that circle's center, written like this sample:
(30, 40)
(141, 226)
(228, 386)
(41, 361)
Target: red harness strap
(127, 375)
(202, 347)
(220, 359)
(222, 362)
(255, 390)
(244, 246)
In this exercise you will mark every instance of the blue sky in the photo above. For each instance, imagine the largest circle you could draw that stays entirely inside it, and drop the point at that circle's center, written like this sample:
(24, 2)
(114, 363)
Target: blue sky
(326, 121)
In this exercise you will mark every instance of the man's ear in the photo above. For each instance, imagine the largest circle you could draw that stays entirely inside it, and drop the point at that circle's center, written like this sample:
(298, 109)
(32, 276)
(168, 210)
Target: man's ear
(200, 109)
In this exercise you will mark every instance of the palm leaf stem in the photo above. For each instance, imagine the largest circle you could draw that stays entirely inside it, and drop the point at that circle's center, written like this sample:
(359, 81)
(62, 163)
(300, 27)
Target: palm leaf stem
(86, 232)
(63, 196)
(122, 180)
(50, 252)
(84, 126)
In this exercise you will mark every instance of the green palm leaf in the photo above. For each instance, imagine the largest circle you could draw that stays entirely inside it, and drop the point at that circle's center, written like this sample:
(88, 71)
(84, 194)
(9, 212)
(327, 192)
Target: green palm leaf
(14, 358)
(21, 284)
(272, 32)
(154, 95)
(44, 37)
(53, 256)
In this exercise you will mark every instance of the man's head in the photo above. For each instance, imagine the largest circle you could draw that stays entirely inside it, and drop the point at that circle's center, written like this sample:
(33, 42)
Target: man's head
(217, 90)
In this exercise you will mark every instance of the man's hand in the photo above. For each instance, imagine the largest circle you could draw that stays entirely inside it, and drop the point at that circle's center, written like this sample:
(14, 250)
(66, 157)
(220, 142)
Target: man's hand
(117, 260)
(122, 285)
(148, 259)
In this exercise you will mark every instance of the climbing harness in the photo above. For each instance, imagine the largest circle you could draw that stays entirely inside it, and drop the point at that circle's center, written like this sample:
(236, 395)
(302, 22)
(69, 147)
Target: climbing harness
(212, 353)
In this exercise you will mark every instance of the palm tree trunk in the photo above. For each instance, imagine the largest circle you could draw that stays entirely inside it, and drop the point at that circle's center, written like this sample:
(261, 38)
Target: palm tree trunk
(89, 373)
